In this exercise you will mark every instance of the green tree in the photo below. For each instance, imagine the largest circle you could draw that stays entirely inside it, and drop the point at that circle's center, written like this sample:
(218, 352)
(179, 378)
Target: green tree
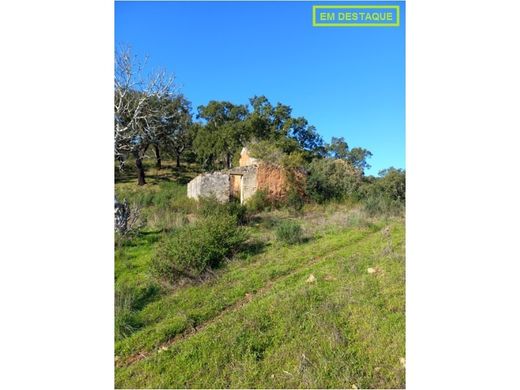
(307, 137)
(277, 125)
(267, 122)
(204, 145)
(357, 157)
(225, 130)
(338, 148)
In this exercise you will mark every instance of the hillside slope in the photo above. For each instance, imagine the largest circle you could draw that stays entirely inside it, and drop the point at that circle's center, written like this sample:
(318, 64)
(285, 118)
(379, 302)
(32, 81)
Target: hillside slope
(263, 321)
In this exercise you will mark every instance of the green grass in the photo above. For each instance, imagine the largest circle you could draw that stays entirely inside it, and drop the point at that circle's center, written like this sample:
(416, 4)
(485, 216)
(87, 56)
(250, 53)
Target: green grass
(258, 323)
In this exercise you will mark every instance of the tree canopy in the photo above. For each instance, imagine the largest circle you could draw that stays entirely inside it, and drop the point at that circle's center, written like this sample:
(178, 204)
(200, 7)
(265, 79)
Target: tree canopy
(150, 112)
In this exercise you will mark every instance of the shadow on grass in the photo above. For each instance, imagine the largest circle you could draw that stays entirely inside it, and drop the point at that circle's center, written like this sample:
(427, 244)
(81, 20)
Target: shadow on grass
(147, 295)
(265, 221)
(252, 248)
(301, 241)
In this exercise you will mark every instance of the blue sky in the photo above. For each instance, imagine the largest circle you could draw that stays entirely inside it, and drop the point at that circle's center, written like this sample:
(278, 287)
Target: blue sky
(348, 82)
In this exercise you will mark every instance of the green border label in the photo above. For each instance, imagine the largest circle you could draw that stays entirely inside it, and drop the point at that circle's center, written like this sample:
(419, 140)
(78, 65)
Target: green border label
(356, 16)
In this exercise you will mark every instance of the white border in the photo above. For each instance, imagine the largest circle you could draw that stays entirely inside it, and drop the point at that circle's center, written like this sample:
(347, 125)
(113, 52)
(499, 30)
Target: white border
(56, 198)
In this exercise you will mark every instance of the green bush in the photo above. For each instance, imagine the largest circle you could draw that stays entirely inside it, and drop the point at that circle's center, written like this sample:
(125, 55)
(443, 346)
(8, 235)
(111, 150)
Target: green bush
(289, 232)
(239, 211)
(294, 200)
(373, 205)
(258, 202)
(192, 249)
(211, 206)
(331, 179)
(382, 205)
(393, 183)
(385, 194)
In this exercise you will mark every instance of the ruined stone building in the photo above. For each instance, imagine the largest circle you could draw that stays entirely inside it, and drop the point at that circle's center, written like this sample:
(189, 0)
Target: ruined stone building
(241, 182)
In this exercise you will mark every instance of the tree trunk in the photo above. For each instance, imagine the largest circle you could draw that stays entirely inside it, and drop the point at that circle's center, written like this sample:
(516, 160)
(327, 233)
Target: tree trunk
(178, 163)
(157, 157)
(228, 160)
(140, 171)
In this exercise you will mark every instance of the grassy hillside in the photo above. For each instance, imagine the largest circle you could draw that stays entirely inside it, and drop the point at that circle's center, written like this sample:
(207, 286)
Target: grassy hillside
(328, 312)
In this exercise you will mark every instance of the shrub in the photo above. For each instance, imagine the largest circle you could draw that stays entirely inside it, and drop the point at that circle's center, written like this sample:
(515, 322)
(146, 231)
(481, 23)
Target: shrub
(294, 200)
(331, 179)
(208, 206)
(258, 202)
(382, 205)
(373, 205)
(386, 194)
(211, 206)
(239, 211)
(289, 232)
(192, 249)
(393, 183)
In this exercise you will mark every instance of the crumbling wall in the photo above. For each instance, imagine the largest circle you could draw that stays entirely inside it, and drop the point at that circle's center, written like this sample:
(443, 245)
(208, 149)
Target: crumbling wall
(246, 159)
(249, 185)
(272, 179)
(243, 182)
(207, 185)
(276, 180)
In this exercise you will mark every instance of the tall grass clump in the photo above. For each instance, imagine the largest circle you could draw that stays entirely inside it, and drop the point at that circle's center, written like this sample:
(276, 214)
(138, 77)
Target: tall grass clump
(125, 318)
(289, 232)
(195, 248)
(128, 301)
(163, 207)
(381, 205)
(168, 196)
(209, 207)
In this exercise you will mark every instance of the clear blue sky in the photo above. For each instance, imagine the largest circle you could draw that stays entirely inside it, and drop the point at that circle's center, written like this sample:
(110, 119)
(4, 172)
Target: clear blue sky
(348, 82)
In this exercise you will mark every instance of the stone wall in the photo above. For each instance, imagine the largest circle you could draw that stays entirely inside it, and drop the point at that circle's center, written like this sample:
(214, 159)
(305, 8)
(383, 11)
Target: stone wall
(243, 182)
(273, 180)
(249, 183)
(210, 184)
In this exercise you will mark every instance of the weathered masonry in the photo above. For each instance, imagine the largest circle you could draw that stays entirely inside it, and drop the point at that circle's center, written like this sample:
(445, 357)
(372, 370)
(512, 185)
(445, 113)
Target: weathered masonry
(241, 182)
(210, 184)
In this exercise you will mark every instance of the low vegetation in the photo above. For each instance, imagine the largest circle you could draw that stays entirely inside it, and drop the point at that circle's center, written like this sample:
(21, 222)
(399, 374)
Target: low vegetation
(195, 248)
(261, 295)
(289, 232)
